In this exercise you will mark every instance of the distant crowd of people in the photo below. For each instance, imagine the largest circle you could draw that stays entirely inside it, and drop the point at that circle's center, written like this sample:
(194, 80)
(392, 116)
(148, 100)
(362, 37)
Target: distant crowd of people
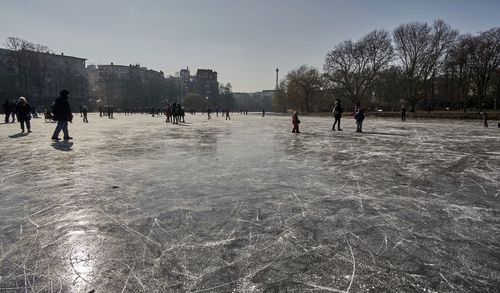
(175, 114)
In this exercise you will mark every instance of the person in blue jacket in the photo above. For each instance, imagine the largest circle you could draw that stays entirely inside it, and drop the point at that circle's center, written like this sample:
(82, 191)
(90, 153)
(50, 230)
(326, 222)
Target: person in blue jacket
(359, 116)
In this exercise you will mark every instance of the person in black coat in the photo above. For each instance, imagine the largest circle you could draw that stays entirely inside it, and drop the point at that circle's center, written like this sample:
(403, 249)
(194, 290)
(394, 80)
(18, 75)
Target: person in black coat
(7, 108)
(62, 114)
(23, 110)
(337, 114)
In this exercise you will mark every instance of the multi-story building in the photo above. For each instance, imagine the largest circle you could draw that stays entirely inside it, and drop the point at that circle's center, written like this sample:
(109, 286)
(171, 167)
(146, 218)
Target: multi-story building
(130, 86)
(206, 84)
(41, 76)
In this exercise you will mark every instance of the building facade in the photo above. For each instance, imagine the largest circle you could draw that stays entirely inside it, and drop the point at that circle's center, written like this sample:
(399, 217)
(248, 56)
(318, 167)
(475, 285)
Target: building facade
(40, 76)
(206, 84)
(131, 86)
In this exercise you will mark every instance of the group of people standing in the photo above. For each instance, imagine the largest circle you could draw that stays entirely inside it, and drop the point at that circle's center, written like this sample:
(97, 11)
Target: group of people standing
(106, 111)
(337, 111)
(175, 113)
(22, 110)
(61, 112)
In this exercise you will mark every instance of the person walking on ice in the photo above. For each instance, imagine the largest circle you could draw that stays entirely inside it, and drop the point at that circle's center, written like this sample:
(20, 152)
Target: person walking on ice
(403, 113)
(337, 114)
(209, 111)
(359, 116)
(295, 122)
(85, 112)
(485, 118)
(23, 110)
(7, 109)
(62, 114)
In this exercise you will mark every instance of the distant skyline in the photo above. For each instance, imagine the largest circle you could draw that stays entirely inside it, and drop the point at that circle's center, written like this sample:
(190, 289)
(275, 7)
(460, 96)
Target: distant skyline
(243, 40)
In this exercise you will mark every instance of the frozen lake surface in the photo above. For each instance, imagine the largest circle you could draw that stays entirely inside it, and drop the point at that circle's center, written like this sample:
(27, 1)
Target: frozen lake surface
(137, 205)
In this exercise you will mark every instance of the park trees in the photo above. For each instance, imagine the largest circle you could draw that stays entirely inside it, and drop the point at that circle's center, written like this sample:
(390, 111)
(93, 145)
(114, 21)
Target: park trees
(457, 73)
(484, 58)
(279, 100)
(351, 67)
(28, 68)
(303, 84)
(225, 97)
(421, 49)
(195, 101)
(34, 71)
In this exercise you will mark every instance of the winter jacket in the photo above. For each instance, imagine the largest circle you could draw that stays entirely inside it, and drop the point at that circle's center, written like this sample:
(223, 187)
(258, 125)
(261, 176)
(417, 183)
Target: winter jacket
(359, 115)
(7, 107)
(23, 111)
(62, 110)
(337, 111)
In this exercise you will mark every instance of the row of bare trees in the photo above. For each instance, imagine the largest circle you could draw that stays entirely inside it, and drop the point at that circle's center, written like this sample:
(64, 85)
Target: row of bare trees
(423, 65)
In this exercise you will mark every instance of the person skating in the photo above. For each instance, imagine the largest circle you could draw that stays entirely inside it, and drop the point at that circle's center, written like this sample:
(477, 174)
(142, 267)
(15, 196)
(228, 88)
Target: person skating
(209, 110)
(179, 113)
(85, 112)
(175, 114)
(227, 114)
(62, 114)
(7, 109)
(337, 114)
(403, 113)
(168, 113)
(13, 111)
(295, 122)
(485, 119)
(23, 110)
(263, 112)
(359, 116)
(183, 114)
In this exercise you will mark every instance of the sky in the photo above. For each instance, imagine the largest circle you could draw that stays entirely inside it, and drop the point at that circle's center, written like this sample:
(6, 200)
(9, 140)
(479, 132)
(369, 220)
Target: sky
(243, 40)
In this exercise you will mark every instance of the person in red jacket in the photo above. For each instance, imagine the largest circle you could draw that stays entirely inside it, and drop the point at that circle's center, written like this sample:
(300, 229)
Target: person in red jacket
(295, 122)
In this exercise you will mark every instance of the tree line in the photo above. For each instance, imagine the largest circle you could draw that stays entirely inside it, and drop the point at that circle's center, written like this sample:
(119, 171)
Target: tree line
(420, 65)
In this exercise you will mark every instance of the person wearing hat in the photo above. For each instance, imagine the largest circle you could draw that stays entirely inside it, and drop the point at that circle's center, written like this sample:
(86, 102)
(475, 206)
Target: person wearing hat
(23, 110)
(62, 114)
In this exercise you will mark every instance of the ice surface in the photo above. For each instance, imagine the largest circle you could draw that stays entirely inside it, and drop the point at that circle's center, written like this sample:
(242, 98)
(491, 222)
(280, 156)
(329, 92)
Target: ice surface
(138, 205)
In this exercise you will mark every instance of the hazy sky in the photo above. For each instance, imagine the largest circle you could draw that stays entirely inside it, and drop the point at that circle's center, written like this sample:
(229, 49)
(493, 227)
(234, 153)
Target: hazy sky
(243, 40)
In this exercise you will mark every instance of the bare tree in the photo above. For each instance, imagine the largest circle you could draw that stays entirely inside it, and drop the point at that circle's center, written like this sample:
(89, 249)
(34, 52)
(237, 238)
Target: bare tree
(279, 100)
(421, 49)
(353, 66)
(387, 89)
(29, 66)
(302, 84)
(457, 71)
(484, 50)
(19, 61)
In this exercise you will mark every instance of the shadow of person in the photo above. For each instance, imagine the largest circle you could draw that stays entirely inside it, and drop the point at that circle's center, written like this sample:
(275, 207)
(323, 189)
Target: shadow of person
(64, 146)
(17, 135)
